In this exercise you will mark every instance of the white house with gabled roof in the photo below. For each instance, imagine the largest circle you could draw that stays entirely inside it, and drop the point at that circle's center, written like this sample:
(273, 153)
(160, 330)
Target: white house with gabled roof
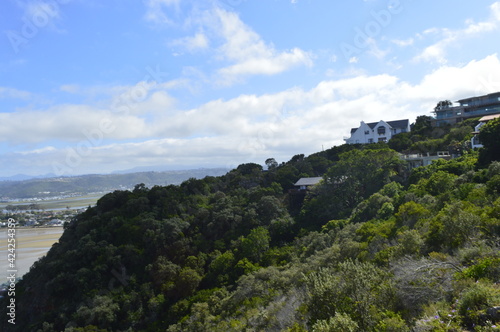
(375, 132)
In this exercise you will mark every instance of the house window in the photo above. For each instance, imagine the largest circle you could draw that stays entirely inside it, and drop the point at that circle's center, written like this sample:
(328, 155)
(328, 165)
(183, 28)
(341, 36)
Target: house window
(381, 130)
(382, 139)
(370, 140)
(367, 132)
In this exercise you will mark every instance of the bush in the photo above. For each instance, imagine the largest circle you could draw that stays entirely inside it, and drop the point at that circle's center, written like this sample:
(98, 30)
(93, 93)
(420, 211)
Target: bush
(392, 322)
(361, 289)
(338, 323)
(485, 268)
(409, 213)
(474, 302)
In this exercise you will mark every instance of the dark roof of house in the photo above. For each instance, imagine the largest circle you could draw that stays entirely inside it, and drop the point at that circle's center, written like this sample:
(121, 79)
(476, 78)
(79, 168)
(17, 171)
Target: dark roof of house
(494, 94)
(393, 124)
(399, 123)
(308, 181)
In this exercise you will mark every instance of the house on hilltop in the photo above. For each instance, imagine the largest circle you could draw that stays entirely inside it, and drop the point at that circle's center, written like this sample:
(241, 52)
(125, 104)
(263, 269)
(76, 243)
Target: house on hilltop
(468, 108)
(307, 183)
(375, 132)
(301, 188)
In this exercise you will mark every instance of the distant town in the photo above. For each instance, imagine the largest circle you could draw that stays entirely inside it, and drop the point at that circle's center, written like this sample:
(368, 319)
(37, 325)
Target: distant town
(42, 218)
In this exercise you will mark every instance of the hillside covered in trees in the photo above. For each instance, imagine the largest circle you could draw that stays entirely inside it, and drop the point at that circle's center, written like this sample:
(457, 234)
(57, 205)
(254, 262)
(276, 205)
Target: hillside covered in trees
(374, 247)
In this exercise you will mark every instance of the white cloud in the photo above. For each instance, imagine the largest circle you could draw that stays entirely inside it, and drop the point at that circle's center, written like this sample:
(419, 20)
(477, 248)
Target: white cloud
(375, 50)
(475, 78)
(43, 150)
(237, 50)
(43, 14)
(70, 88)
(403, 43)
(247, 51)
(265, 65)
(437, 52)
(41, 10)
(155, 11)
(195, 43)
(66, 123)
(434, 52)
(495, 9)
(248, 128)
(6, 92)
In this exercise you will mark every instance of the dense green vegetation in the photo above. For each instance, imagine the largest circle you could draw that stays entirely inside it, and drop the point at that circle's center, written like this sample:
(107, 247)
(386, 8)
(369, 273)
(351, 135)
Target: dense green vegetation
(374, 247)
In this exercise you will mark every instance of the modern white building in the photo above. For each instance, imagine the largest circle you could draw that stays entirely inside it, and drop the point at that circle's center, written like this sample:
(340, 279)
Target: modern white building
(420, 159)
(374, 132)
(468, 108)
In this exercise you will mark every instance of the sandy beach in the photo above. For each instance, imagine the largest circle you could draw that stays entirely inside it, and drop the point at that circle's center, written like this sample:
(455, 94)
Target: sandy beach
(31, 244)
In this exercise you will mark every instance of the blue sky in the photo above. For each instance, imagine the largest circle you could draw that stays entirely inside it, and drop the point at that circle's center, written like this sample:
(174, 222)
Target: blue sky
(97, 86)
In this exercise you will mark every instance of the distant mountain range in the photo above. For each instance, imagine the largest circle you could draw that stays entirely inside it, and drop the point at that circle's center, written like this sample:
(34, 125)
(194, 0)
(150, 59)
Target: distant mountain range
(22, 177)
(22, 186)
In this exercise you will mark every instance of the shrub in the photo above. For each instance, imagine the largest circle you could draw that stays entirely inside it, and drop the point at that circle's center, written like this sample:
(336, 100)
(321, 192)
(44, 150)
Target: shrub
(473, 303)
(391, 322)
(338, 323)
(485, 268)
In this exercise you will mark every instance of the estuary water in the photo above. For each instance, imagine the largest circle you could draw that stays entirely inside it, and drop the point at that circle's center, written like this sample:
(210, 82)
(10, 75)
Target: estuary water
(31, 244)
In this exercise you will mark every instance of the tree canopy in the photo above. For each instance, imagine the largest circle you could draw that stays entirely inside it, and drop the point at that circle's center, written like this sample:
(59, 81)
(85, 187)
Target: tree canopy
(489, 136)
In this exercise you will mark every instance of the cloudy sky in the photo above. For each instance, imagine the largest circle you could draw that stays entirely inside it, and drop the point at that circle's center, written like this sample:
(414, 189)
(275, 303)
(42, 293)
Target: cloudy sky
(91, 86)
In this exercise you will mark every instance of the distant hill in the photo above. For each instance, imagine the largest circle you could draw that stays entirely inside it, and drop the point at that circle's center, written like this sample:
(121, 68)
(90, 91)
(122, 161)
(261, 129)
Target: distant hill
(22, 177)
(83, 184)
(165, 168)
